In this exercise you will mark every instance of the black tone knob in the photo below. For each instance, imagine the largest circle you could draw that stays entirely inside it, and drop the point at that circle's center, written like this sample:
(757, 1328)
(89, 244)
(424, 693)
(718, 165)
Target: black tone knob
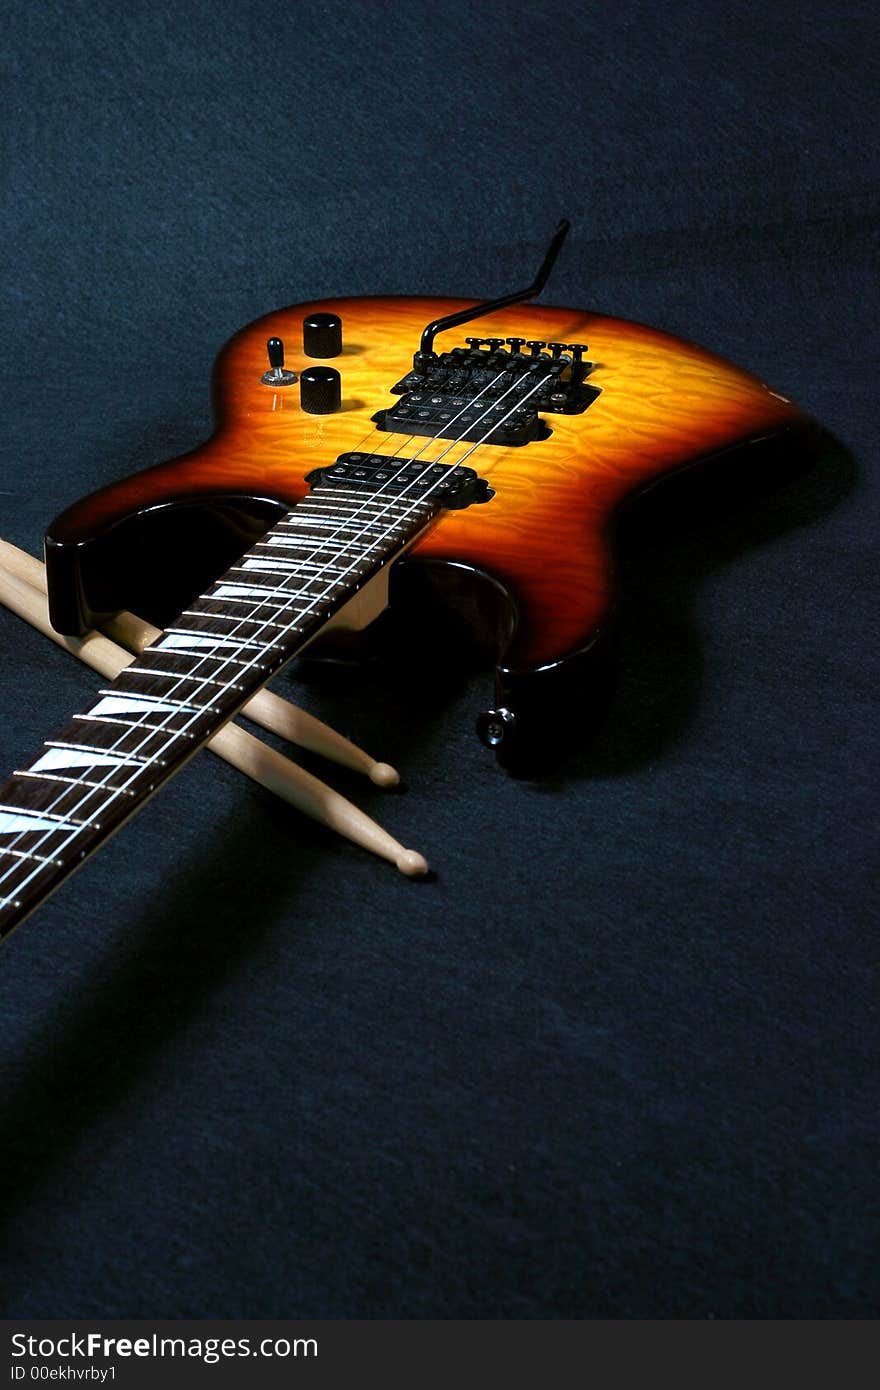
(322, 335)
(320, 390)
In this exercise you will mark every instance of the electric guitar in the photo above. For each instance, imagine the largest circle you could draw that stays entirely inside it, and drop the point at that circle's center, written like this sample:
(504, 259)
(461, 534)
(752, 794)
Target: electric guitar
(383, 435)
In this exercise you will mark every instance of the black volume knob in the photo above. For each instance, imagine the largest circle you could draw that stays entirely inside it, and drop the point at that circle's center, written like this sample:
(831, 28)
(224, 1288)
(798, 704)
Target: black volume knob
(320, 390)
(322, 335)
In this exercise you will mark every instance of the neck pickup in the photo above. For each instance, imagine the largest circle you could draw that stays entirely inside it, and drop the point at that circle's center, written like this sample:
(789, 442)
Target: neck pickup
(361, 474)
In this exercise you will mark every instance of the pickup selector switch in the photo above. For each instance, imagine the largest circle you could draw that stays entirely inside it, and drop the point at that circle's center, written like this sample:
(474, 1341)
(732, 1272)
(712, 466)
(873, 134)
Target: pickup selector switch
(322, 335)
(276, 375)
(320, 390)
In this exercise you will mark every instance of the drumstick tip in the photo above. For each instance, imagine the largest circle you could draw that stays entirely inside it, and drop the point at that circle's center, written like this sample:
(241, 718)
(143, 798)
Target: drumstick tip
(413, 864)
(384, 775)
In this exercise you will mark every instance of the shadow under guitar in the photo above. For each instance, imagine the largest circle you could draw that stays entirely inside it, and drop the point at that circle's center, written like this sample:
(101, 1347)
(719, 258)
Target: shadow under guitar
(669, 544)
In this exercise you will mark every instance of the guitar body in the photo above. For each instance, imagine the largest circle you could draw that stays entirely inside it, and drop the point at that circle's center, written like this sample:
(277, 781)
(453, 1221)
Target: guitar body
(540, 550)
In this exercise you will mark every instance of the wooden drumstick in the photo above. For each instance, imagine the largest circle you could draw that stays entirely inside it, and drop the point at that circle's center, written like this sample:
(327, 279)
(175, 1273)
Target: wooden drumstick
(263, 764)
(264, 708)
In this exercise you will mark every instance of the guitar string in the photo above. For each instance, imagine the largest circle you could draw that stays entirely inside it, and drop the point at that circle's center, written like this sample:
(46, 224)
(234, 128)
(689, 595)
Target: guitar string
(316, 599)
(281, 589)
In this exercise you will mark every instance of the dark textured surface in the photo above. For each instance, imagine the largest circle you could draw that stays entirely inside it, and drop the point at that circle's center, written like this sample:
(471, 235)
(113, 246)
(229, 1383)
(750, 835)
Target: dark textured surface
(620, 1057)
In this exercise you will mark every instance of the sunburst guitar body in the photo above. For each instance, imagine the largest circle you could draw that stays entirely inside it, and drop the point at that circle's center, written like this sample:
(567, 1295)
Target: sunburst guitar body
(538, 552)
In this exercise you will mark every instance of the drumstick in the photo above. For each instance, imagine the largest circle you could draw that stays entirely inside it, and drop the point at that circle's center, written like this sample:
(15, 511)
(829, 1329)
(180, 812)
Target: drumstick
(264, 708)
(260, 762)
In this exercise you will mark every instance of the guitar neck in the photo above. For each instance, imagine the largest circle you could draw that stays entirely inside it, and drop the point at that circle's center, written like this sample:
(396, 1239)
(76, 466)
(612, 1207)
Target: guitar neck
(99, 770)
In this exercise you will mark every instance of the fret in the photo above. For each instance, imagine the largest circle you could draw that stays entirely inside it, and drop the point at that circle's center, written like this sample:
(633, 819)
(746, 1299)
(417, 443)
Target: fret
(18, 862)
(271, 604)
(7, 852)
(190, 686)
(359, 548)
(255, 606)
(309, 565)
(144, 745)
(221, 663)
(284, 550)
(319, 501)
(250, 593)
(179, 730)
(323, 524)
(356, 503)
(68, 806)
(344, 518)
(16, 866)
(334, 504)
(23, 876)
(328, 552)
(86, 755)
(120, 703)
(251, 620)
(20, 821)
(370, 532)
(314, 552)
(38, 848)
(93, 766)
(367, 522)
(414, 511)
(74, 781)
(194, 640)
(244, 626)
(210, 618)
(335, 509)
(81, 755)
(140, 711)
(279, 564)
(173, 677)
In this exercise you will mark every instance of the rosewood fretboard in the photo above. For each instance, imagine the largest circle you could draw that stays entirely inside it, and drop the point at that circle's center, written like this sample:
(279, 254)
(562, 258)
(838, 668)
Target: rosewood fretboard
(99, 769)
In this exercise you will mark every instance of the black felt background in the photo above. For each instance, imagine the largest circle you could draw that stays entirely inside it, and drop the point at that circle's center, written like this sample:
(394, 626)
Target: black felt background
(620, 1058)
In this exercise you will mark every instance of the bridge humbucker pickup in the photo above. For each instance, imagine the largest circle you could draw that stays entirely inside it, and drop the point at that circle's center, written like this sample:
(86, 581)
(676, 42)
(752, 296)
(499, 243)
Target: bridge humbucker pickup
(451, 486)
